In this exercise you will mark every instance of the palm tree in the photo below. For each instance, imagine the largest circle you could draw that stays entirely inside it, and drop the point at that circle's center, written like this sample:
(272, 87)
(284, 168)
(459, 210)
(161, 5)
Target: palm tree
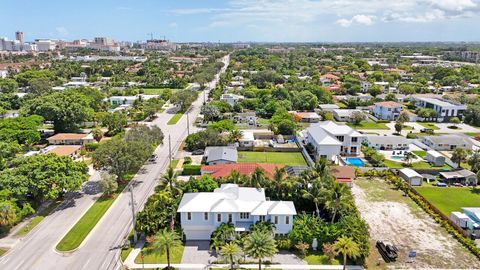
(259, 245)
(314, 191)
(258, 178)
(165, 241)
(335, 198)
(168, 180)
(7, 214)
(231, 252)
(235, 135)
(347, 247)
(234, 177)
(408, 157)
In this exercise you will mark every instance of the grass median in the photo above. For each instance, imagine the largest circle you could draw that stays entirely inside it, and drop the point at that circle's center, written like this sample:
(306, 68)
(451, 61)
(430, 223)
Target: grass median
(33, 222)
(175, 119)
(87, 222)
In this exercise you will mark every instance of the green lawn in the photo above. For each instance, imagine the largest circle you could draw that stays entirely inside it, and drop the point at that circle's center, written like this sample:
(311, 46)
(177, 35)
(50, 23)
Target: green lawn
(420, 153)
(472, 134)
(153, 256)
(415, 165)
(368, 125)
(87, 222)
(2, 251)
(263, 121)
(175, 119)
(318, 258)
(448, 199)
(289, 159)
(157, 91)
(430, 125)
(37, 219)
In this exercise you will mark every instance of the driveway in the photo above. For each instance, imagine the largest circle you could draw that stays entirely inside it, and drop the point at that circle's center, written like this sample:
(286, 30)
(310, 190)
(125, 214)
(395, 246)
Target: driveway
(197, 252)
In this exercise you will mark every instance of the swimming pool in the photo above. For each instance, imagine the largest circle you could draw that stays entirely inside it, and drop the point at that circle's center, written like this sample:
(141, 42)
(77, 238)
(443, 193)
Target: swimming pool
(357, 162)
(396, 157)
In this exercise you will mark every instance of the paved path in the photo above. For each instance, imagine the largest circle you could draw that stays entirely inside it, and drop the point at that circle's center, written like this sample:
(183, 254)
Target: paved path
(197, 252)
(246, 266)
(101, 249)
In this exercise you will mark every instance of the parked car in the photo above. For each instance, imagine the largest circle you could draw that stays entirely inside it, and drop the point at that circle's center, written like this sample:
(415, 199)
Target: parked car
(440, 184)
(198, 152)
(152, 158)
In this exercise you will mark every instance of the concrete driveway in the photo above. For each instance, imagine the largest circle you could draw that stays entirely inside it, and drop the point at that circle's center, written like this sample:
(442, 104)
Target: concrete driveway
(197, 252)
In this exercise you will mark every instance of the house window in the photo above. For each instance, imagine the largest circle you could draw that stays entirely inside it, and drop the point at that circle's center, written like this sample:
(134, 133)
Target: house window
(189, 216)
(230, 218)
(261, 218)
(275, 220)
(340, 138)
(205, 216)
(353, 149)
(287, 220)
(244, 215)
(354, 139)
(219, 217)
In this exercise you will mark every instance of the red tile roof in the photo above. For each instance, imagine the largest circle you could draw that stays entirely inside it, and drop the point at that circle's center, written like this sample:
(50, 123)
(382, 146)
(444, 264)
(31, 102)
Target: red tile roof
(343, 174)
(224, 170)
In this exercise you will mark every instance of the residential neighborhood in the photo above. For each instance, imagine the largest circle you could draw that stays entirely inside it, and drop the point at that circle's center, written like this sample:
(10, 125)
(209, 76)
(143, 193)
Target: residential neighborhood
(240, 142)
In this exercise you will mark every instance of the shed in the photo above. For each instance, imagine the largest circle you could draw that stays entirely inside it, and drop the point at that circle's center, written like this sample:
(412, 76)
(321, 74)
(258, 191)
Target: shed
(411, 176)
(463, 176)
(435, 158)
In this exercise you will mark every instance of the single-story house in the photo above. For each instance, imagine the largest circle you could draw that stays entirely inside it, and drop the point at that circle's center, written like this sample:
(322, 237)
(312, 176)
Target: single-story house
(446, 142)
(231, 98)
(246, 117)
(72, 151)
(462, 176)
(247, 140)
(71, 138)
(468, 219)
(221, 155)
(307, 117)
(344, 115)
(328, 107)
(343, 174)
(411, 176)
(224, 170)
(389, 142)
(202, 212)
(435, 158)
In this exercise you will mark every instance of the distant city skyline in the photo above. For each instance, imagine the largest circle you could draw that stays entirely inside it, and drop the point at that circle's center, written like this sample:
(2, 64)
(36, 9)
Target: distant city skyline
(245, 20)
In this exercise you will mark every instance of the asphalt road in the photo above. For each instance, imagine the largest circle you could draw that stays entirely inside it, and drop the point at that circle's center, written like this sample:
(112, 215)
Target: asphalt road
(101, 249)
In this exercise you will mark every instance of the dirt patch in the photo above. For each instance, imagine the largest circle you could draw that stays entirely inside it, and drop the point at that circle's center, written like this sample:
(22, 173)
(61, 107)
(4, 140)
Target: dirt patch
(395, 219)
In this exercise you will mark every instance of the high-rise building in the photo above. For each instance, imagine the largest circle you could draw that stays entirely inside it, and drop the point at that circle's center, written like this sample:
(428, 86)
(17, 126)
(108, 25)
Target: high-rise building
(19, 36)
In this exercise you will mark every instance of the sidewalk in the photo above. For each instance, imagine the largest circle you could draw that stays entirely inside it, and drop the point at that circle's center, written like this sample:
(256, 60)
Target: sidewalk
(245, 266)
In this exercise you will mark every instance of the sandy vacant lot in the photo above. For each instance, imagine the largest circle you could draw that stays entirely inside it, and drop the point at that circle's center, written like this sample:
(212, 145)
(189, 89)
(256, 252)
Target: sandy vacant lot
(396, 219)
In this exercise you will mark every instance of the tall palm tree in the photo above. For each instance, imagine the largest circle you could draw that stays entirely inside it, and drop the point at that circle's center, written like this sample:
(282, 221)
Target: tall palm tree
(257, 179)
(335, 198)
(314, 191)
(259, 245)
(234, 177)
(165, 241)
(231, 252)
(7, 214)
(347, 247)
(168, 180)
(235, 135)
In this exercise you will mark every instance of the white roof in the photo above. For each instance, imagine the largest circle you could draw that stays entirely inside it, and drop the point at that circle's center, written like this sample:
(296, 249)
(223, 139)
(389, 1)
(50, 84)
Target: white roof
(410, 173)
(345, 112)
(247, 136)
(434, 153)
(338, 129)
(231, 198)
(321, 137)
(328, 106)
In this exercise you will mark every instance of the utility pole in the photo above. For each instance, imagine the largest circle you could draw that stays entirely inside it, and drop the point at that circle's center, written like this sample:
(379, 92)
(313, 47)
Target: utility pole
(132, 202)
(204, 97)
(169, 150)
(188, 124)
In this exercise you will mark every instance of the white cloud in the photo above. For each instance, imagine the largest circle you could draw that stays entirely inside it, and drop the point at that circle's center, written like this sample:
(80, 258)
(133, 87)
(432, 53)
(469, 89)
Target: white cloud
(61, 31)
(453, 5)
(357, 19)
(173, 25)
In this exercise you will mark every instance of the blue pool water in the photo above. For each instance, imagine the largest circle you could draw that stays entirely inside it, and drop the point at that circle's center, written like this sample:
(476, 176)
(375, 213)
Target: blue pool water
(357, 162)
(396, 157)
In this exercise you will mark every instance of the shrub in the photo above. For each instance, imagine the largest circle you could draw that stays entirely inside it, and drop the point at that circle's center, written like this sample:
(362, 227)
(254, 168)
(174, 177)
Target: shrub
(191, 169)
(187, 160)
(284, 243)
(411, 136)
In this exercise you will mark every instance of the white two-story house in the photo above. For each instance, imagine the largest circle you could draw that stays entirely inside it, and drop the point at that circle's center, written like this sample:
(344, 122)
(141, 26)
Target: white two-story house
(446, 109)
(201, 213)
(330, 139)
(387, 110)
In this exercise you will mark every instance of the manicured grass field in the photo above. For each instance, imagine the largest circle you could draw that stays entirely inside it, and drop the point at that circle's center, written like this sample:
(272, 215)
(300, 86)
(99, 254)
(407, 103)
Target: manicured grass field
(2, 251)
(157, 91)
(153, 256)
(430, 125)
(368, 125)
(289, 159)
(318, 258)
(472, 134)
(87, 222)
(421, 154)
(37, 219)
(175, 119)
(415, 165)
(448, 199)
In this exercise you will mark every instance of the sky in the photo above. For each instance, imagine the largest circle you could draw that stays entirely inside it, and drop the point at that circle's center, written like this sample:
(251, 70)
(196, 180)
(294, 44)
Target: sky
(245, 20)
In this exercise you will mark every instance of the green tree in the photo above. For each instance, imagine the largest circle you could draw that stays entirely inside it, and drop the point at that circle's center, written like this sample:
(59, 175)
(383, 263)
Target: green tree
(108, 183)
(336, 198)
(348, 248)
(97, 133)
(66, 109)
(259, 246)
(115, 122)
(169, 181)
(398, 126)
(460, 155)
(8, 86)
(165, 241)
(231, 252)
(403, 117)
(184, 99)
(375, 90)
(455, 121)
(40, 86)
(8, 215)
(357, 117)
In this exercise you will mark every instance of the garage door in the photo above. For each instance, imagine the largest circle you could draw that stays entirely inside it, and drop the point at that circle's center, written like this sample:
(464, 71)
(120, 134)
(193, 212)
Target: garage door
(197, 234)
